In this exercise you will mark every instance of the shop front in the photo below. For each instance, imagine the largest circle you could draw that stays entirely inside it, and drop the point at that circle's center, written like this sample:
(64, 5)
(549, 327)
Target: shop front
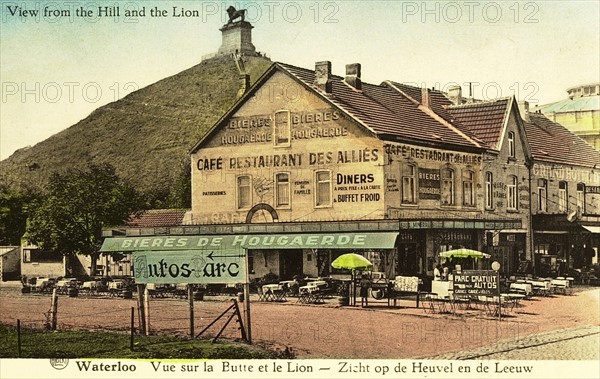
(284, 255)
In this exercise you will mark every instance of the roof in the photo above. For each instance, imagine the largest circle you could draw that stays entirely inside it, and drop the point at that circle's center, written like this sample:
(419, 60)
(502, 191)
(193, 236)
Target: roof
(552, 142)
(386, 111)
(584, 103)
(158, 218)
(486, 119)
(8, 249)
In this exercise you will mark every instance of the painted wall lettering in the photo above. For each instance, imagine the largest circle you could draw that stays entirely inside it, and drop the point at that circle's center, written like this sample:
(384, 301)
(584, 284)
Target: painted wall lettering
(207, 164)
(283, 160)
(249, 122)
(319, 133)
(566, 173)
(407, 151)
(315, 117)
(302, 187)
(214, 193)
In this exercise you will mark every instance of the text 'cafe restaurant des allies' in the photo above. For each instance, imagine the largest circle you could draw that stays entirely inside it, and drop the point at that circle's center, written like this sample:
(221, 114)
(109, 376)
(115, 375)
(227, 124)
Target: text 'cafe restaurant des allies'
(307, 166)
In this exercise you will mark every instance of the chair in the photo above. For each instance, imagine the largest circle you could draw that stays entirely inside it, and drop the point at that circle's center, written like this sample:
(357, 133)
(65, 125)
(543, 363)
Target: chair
(261, 294)
(279, 295)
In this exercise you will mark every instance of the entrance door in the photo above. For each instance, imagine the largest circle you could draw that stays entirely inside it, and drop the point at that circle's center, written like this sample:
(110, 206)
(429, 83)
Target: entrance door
(407, 260)
(290, 264)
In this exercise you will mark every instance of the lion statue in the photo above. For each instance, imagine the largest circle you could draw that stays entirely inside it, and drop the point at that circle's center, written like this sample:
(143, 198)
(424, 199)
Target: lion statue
(233, 14)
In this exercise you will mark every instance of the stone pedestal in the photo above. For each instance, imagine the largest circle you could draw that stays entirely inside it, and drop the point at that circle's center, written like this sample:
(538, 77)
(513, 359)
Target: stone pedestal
(237, 38)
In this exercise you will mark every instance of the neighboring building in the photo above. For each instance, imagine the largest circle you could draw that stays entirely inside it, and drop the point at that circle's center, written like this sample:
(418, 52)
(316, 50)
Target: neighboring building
(10, 262)
(505, 174)
(565, 196)
(580, 113)
(38, 263)
(155, 221)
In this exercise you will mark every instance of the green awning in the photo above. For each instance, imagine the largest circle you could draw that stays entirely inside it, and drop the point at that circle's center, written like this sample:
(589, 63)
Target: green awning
(355, 240)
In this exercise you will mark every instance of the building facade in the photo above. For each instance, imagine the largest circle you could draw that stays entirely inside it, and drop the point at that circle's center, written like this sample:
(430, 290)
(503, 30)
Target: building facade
(323, 152)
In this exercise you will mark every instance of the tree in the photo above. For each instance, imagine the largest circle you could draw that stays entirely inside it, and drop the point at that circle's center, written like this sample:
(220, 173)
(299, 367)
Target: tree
(14, 209)
(79, 204)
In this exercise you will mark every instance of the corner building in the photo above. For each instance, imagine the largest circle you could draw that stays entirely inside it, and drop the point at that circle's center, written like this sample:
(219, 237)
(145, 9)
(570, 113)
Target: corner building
(326, 161)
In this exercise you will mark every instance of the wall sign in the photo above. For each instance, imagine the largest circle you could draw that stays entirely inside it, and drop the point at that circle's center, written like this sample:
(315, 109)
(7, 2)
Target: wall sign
(407, 151)
(566, 173)
(429, 184)
(194, 266)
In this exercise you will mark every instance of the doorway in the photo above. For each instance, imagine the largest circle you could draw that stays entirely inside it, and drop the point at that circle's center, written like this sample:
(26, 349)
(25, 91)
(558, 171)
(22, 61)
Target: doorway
(290, 264)
(407, 262)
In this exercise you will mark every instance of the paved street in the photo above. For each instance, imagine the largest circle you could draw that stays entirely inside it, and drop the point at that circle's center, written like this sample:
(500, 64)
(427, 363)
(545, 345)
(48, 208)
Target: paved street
(581, 343)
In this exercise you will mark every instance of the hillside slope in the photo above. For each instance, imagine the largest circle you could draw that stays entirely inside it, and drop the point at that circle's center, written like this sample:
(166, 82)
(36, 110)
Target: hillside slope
(145, 136)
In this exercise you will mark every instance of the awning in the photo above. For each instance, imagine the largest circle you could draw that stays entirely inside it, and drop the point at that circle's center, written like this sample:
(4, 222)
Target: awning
(354, 240)
(592, 229)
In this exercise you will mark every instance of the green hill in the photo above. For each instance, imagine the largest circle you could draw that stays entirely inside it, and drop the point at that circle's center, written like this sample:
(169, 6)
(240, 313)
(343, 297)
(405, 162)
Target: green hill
(146, 135)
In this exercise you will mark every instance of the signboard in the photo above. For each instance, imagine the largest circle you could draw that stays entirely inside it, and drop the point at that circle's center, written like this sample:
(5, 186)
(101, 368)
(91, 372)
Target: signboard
(192, 266)
(592, 189)
(368, 240)
(429, 183)
(477, 283)
(406, 284)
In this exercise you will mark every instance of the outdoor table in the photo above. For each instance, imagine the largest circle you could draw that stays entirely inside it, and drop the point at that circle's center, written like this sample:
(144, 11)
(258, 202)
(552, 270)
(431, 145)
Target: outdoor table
(271, 287)
(303, 289)
(560, 285)
(115, 287)
(89, 286)
(317, 283)
(540, 287)
(523, 288)
(311, 297)
(273, 292)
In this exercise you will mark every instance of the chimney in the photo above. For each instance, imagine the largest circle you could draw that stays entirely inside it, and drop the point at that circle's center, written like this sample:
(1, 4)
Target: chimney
(524, 110)
(425, 98)
(353, 75)
(323, 76)
(455, 94)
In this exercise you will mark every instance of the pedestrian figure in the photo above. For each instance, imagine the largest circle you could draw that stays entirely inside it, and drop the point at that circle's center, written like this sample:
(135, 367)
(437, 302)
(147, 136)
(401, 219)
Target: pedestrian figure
(365, 284)
(437, 272)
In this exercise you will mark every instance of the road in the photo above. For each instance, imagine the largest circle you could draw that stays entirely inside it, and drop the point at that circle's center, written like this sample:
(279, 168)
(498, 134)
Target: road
(581, 343)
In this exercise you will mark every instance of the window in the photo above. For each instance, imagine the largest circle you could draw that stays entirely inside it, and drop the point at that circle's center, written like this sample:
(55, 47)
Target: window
(542, 195)
(489, 190)
(244, 192)
(323, 190)
(447, 186)
(511, 188)
(409, 189)
(282, 190)
(26, 255)
(562, 197)
(468, 193)
(281, 128)
(511, 144)
(581, 197)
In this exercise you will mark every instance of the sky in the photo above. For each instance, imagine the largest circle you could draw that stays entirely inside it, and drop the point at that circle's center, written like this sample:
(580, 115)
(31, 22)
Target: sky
(61, 63)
